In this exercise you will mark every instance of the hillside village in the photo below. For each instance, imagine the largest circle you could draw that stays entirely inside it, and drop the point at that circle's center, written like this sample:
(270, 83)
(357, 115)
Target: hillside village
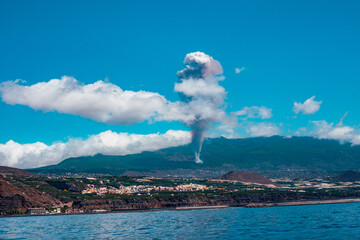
(25, 193)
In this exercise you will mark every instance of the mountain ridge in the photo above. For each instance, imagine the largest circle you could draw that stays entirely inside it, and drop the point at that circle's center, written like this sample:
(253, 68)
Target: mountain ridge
(220, 155)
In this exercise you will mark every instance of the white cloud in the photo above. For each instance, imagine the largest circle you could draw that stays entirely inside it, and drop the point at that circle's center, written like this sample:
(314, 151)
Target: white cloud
(201, 107)
(325, 130)
(108, 103)
(100, 101)
(300, 132)
(263, 130)
(200, 88)
(109, 143)
(191, 112)
(202, 98)
(310, 106)
(255, 112)
(239, 70)
(356, 140)
(200, 65)
(227, 128)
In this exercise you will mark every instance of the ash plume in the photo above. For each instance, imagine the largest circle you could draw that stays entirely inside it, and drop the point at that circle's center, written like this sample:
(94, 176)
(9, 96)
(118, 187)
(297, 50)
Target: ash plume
(198, 86)
(201, 105)
(198, 134)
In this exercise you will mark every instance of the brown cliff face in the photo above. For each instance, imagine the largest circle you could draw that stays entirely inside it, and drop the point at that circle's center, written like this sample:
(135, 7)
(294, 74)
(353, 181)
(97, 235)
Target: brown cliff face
(20, 198)
(249, 177)
(15, 172)
(245, 200)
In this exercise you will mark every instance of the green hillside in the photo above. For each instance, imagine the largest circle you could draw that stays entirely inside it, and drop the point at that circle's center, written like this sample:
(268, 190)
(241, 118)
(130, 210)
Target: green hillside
(250, 154)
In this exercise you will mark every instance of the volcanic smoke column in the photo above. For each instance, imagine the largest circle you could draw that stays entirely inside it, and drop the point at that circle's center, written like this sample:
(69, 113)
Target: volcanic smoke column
(199, 88)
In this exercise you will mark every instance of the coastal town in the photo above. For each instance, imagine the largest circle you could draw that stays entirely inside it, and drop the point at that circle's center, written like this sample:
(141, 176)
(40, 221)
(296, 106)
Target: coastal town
(144, 189)
(95, 194)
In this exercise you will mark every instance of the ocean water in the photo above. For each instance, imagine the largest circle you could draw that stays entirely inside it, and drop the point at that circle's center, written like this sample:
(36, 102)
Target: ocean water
(330, 221)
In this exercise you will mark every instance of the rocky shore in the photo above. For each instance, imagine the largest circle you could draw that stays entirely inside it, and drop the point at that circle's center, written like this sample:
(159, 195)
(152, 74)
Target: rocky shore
(241, 200)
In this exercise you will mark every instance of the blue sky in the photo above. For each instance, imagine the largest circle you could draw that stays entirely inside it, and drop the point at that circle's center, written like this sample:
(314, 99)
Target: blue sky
(290, 51)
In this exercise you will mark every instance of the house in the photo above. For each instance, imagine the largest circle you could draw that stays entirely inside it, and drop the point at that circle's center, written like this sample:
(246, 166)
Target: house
(37, 211)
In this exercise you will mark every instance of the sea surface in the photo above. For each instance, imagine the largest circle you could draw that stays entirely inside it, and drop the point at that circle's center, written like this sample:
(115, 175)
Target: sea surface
(329, 221)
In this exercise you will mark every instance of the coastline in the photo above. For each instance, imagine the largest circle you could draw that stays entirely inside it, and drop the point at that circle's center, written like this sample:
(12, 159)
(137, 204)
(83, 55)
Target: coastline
(306, 202)
(250, 205)
(277, 204)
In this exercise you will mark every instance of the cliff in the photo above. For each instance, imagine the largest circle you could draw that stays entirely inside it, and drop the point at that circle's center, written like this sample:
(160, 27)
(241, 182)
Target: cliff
(242, 199)
(15, 172)
(19, 198)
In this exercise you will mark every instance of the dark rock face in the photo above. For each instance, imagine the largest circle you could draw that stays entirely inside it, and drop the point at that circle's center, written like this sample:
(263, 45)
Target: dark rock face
(68, 186)
(246, 177)
(244, 200)
(17, 199)
(15, 171)
(12, 203)
(348, 176)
